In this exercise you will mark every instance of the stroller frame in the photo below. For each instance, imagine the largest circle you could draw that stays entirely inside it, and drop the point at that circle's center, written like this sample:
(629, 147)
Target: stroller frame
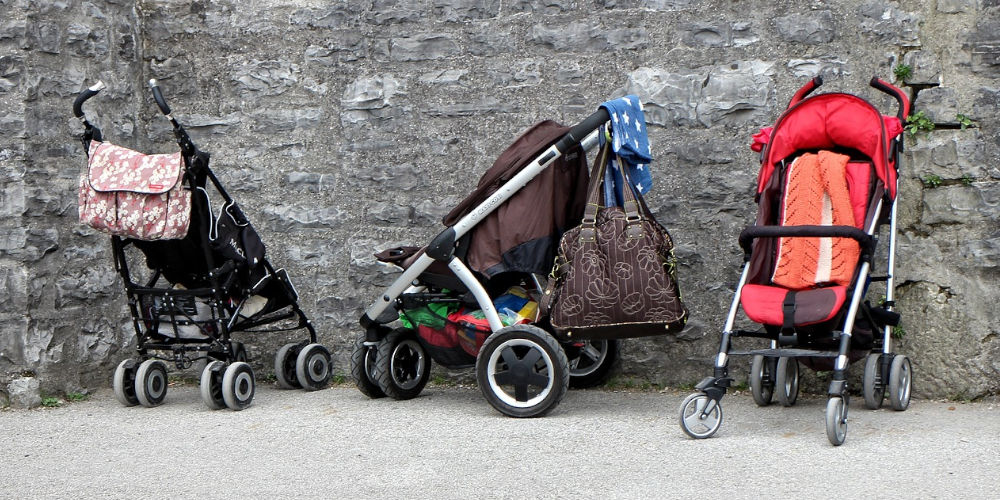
(227, 380)
(407, 291)
(775, 369)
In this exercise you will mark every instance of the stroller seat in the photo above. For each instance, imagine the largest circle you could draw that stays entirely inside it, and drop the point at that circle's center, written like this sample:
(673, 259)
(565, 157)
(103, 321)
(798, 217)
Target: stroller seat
(811, 277)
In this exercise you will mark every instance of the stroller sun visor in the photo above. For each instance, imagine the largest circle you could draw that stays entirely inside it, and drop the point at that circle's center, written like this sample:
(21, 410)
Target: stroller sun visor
(828, 121)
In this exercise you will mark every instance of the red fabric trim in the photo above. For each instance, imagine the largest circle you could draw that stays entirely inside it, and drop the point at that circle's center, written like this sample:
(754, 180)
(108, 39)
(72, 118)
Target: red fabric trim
(763, 304)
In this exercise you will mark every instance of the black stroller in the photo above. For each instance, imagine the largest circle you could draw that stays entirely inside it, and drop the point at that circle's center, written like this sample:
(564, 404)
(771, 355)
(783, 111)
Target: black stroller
(470, 297)
(205, 275)
(826, 190)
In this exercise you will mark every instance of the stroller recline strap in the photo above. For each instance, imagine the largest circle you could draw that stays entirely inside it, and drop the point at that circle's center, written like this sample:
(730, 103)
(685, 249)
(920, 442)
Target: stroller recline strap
(788, 313)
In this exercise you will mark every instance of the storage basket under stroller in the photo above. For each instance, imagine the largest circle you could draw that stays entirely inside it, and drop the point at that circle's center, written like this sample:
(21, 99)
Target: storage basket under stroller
(826, 190)
(194, 269)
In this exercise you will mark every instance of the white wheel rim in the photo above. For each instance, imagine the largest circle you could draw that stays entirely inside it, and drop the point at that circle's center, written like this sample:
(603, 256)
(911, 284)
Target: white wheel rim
(498, 390)
(698, 424)
(317, 366)
(400, 372)
(594, 355)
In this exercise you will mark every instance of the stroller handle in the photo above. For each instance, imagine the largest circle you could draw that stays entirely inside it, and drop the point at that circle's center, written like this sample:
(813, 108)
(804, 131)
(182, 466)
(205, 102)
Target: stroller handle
(805, 231)
(158, 97)
(86, 94)
(581, 130)
(895, 92)
(805, 90)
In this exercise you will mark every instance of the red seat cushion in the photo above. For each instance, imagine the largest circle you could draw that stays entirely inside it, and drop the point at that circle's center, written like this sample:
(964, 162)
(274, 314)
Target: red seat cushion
(764, 304)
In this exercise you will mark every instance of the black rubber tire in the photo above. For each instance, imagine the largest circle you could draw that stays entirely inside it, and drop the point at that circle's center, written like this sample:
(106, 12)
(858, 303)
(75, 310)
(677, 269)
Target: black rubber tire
(284, 366)
(363, 368)
(524, 347)
(598, 362)
(900, 382)
(151, 383)
(402, 365)
(123, 382)
(210, 386)
(238, 386)
(313, 367)
(872, 382)
(836, 420)
(761, 380)
(786, 381)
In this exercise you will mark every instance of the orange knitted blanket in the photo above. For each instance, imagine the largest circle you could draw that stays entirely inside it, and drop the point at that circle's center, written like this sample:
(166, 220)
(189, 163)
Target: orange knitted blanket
(816, 193)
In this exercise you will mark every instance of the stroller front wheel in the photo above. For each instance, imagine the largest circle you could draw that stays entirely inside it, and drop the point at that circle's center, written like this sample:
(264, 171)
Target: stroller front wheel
(402, 365)
(701, 416)
(836, 420)
(522, 371)
(363, 368)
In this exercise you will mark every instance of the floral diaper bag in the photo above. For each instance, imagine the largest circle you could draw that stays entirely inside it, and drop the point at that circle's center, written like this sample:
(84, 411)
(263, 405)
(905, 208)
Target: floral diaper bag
(131, 194)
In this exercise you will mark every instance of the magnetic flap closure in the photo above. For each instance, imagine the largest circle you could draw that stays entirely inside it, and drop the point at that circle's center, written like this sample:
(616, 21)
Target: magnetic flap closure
(115, 168)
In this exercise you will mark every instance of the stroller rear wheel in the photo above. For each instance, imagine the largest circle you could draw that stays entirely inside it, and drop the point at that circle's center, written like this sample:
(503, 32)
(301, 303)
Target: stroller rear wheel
(522, 371)
(124, 383)
(701, 416)
(151, 383)
(312, 367)
(836, 420)
(284, 366)
(873, 385)
(363, 368)
(761, 380)
(238, 385)
(594, 364)
(402, 365)
(211, 385)
(787, 380)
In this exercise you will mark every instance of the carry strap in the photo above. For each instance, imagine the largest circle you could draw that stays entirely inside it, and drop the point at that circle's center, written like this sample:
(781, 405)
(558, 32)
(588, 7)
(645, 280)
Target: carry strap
(633, 216)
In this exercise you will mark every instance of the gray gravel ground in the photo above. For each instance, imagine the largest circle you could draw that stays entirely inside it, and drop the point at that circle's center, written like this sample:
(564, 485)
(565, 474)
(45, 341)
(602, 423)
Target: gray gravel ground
(449, 443)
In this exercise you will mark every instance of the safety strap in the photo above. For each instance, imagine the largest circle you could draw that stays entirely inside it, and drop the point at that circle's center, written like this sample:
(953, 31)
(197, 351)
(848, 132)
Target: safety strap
(788, 313)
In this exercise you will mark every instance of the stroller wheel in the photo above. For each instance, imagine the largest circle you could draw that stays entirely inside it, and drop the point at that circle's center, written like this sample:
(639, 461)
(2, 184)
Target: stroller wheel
(238, 385)
(402, 365)
(124, 383)
(522, 371)
(594, 364)
(363, 368)
(151, 383)
(701, 416)
(836, 420)
(761, 380)
(899, 382)
(284, 366)
(312, 367)
(787, 380)
(211, 385)
(873, 385)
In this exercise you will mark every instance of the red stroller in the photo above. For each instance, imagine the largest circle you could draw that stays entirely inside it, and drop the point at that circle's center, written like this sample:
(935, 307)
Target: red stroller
(827, 186)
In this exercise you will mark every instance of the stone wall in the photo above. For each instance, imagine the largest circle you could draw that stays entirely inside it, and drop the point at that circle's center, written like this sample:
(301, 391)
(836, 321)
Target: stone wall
(347, 127)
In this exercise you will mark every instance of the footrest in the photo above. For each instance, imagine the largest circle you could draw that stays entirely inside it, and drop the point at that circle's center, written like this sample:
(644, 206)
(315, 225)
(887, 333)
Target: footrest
(787, 353)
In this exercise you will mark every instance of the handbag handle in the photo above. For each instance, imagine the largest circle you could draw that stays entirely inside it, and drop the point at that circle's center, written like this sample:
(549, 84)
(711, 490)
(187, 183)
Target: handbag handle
(634, 217)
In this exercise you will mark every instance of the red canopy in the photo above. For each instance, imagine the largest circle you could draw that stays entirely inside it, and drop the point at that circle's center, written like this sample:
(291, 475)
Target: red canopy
(829, 121)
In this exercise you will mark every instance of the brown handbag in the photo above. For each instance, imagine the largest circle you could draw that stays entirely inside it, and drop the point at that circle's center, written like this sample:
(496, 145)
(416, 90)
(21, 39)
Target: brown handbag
(615, 274)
